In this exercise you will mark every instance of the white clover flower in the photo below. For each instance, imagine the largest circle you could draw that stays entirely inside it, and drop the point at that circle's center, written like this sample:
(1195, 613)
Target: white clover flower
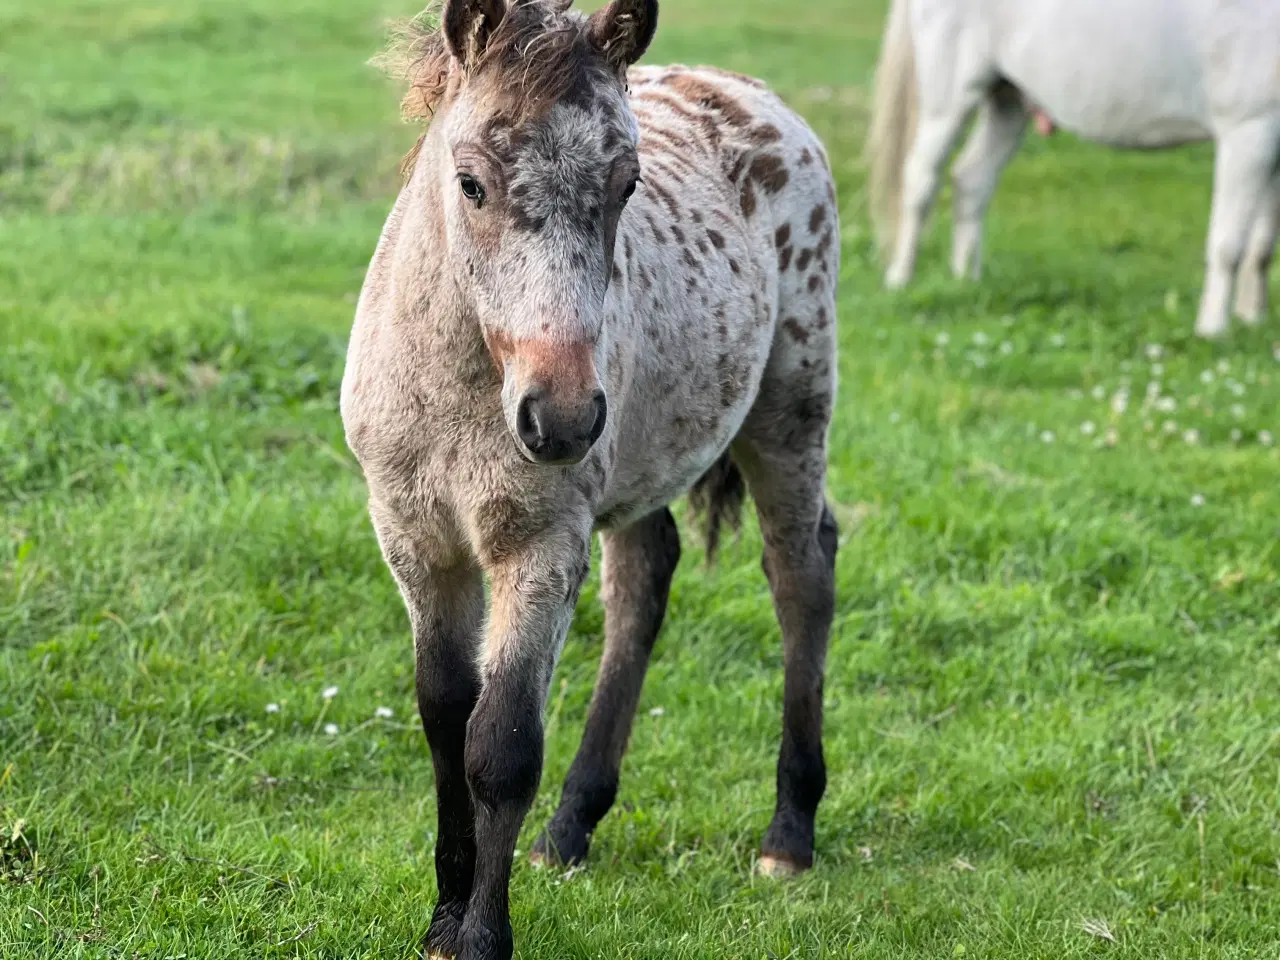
(383, 713)
(331, 729)
(1112, 437)
(1088, 428)
(273, 708)
(1099, 392)
(1223, 366)
(1157, 369)
(1170, 427)
(1265, 438)
(1154, 351)
(895, 416)
(1237, 389)
(1058, 339)
(1166, 404)
(980, 339)
(1197, 500)
(329, 693)
(1237, 411)
(1006, 347)
(1236, 434)
(942, 339)
(1047, 436)
(1206, 376)
(1120, 401)
(1191, 436)
(657, 712)
(978, 360)
(1153, 389)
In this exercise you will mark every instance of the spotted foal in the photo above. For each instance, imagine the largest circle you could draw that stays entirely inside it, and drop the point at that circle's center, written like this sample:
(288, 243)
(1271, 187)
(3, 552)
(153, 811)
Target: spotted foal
(600, 289)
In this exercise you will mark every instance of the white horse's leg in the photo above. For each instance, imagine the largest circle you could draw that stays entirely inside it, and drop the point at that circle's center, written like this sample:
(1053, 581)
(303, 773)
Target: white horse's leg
(995, 137)
(1243, 167)
(935, 135)
(1251, 281)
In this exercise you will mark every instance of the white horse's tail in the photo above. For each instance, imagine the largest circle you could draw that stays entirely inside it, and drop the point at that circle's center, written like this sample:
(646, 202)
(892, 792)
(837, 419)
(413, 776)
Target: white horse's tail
(893, 121)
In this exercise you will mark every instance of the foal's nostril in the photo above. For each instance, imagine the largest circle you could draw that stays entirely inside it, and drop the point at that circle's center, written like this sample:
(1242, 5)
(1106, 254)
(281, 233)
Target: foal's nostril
(602, 414)
(530, 426)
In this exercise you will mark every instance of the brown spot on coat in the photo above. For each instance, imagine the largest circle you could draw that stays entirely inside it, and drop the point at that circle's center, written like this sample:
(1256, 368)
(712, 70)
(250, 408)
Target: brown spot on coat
(815, 282)
(782, 235)
(711, 97)
(798, 333)
(748, 199)
(806, 157)
(716, 238)
(816, 217)
(764, 134)
(802, 261)
(769, 171)
(784, 258)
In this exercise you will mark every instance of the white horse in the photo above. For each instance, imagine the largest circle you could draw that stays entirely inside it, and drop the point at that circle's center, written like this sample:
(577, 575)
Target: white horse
(1129, 73)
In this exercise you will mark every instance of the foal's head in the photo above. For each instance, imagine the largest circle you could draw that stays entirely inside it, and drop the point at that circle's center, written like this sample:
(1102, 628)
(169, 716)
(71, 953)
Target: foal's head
(532, 151)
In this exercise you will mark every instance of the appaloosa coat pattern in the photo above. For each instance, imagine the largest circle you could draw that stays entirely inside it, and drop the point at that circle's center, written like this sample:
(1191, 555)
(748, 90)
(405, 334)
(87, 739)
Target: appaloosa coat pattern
(600, 288)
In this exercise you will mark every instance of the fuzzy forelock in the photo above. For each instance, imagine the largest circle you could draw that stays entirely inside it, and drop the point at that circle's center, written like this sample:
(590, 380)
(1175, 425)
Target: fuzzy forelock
(538, 54)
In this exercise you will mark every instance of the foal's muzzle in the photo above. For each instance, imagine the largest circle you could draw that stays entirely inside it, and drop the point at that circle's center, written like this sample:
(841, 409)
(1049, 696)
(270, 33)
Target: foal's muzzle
(554, 435)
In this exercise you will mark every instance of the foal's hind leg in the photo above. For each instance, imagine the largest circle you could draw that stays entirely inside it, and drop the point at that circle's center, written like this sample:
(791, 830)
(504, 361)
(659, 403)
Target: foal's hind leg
(993, 142)
(782, 453)
(446, 611)
(1245, 164)
(635, 579)
(1251, 281)
(799, 562)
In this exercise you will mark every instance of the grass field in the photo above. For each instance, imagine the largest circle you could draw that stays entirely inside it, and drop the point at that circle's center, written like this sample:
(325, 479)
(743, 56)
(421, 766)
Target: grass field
(1054, 686)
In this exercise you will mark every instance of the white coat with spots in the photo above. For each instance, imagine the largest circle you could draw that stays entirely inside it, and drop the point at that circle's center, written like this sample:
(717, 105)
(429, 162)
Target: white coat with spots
(600, 289)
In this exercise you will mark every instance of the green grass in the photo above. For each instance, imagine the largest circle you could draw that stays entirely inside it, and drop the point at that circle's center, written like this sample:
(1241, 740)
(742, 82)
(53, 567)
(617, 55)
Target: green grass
(1054, 682)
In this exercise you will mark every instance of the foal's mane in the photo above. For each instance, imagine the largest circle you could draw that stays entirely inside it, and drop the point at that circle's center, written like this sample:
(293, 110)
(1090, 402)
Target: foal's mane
(538, 54)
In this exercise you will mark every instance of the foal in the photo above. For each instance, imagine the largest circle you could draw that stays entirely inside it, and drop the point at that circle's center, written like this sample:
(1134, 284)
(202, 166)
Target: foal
(597, 291)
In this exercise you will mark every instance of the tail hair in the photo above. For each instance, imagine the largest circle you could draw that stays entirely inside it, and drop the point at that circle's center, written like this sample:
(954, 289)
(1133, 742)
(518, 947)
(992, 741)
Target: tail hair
(893, 122)
(718, 497)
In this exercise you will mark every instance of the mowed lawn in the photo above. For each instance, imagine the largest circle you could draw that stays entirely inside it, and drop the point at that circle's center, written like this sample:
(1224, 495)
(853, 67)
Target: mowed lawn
(1053, 698)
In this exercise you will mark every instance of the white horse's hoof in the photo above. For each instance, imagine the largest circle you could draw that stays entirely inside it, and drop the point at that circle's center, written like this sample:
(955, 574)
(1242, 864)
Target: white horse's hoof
(896, 279)
(1251, 303)
(1211, 325)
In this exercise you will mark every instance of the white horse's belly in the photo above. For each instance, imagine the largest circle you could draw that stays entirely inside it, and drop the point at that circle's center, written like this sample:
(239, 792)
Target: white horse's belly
(1125, 74)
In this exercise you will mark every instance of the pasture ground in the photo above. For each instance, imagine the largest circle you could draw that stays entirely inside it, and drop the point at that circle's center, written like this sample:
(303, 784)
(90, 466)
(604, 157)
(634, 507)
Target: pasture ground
(1054, 691)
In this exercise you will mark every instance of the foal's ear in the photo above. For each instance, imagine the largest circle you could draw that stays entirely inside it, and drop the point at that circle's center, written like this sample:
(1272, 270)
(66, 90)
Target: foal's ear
(622, 30)
(468, 25)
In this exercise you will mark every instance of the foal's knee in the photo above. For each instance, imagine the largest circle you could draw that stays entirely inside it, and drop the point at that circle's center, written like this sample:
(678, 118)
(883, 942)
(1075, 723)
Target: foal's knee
(504, 750)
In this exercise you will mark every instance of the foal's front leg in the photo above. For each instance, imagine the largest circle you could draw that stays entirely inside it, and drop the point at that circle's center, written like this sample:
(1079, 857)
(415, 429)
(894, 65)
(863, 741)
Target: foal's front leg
(639, 562)
(532, 604)
(446, 610)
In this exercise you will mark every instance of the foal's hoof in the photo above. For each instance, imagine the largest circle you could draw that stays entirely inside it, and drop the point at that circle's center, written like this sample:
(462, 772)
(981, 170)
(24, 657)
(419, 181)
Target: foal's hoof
(556, 847)
(779, 866)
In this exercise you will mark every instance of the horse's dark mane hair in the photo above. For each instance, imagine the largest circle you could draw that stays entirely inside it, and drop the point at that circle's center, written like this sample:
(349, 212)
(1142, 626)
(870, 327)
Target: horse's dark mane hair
(536, 56)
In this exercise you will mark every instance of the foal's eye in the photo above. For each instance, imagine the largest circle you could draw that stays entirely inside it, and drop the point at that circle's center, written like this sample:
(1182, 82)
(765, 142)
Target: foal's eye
(471, 188)
(629, 190)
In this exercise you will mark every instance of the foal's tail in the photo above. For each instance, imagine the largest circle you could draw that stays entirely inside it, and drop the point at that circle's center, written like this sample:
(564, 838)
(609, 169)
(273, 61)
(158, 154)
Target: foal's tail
(718, 496)
(893, 122)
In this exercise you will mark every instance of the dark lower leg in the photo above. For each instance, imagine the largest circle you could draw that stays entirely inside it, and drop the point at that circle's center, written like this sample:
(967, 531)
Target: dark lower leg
(445, 723)
(504, 764)
(638, 566)
(802, 581)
